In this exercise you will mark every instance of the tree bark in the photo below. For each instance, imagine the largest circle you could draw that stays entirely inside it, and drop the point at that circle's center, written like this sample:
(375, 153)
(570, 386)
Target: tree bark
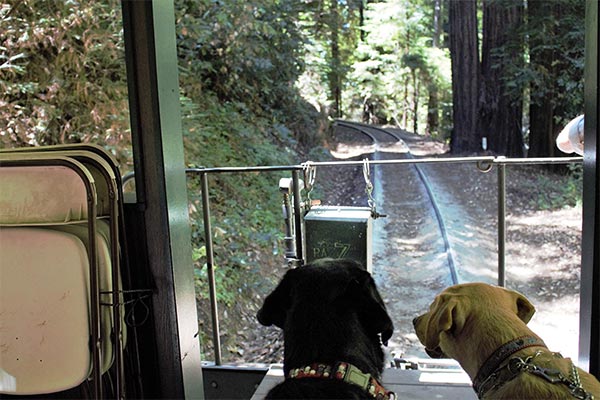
(433, 120)
(432, 102)
(361, 18)
(335, 77)
(542, 58)
(437, 23)
(500, 114)
(465, 74)
(415, 102)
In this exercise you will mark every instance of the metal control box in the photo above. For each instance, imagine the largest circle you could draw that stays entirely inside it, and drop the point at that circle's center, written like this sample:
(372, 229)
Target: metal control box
(339, 232)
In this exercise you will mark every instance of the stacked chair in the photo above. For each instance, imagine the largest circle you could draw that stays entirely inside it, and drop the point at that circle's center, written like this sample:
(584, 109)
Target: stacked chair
(61, 304)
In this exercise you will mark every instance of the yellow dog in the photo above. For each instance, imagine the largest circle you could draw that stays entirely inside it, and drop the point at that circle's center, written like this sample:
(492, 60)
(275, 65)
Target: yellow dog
(484, 328)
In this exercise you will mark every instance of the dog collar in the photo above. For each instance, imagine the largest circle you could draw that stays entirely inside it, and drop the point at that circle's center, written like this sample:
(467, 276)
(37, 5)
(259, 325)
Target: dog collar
(344, 372)
(500, 355)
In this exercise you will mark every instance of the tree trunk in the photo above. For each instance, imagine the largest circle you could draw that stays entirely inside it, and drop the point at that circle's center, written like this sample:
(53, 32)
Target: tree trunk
(437, 23)
(415, 103)
(500, 115)
(433, 120)
(335, 77)
(361, 18)
(405, 107)
(465, 74)
(542, 58)
(541, 128)
(432, 102)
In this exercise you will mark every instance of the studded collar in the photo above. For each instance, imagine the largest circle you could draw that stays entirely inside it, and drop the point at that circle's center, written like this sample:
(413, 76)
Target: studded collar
(344, 372)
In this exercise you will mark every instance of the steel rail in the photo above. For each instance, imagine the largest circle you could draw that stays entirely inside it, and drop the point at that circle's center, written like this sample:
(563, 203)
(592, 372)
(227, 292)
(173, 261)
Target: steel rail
(353, 125)
(484, 164)
(427, 185)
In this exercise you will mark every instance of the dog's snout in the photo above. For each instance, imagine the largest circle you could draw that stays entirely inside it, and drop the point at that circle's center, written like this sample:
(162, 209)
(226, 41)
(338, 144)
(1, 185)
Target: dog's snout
(416, 320)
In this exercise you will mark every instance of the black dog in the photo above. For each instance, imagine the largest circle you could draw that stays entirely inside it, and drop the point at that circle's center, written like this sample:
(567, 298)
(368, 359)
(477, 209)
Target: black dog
(334, 323)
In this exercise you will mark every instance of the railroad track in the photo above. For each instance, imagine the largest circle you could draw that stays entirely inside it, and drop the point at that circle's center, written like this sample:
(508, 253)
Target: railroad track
(381, 137)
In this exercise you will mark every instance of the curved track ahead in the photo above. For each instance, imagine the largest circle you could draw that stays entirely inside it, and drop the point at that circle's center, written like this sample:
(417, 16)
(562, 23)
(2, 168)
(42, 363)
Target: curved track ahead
(381, 136)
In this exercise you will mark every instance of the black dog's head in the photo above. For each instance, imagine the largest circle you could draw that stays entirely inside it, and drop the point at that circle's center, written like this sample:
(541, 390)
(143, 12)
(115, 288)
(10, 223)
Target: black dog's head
(329, 311)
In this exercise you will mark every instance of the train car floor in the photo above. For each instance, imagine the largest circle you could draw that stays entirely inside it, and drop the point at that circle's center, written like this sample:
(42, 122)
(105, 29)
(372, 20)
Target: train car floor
(407, 384)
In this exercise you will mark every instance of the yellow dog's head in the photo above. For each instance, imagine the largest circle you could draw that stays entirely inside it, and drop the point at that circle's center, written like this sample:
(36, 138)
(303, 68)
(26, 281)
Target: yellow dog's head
(458, 313)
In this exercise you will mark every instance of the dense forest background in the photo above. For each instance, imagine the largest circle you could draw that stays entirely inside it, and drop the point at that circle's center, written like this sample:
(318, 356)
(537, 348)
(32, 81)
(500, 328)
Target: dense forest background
(262, 80)
(507, 70)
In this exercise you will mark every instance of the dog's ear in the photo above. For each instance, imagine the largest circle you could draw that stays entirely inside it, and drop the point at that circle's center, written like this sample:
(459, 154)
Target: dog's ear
(448, 314)
(525, 309)
(276, 305)
(373, 313)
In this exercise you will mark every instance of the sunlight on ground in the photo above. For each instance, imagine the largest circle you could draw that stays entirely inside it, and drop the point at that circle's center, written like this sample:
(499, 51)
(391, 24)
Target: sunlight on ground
(344, 151)
(539, 267)
(565, 218)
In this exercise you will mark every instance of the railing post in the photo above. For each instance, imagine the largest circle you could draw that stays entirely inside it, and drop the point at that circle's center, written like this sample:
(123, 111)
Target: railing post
(297, 217)
(210, 270)
(501, 223)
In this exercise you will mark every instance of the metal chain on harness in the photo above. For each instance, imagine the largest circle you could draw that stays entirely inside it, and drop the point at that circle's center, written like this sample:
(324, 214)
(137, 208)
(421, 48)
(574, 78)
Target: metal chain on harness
(369, 189)
(517, 365)
(576, 388)
(310, 174)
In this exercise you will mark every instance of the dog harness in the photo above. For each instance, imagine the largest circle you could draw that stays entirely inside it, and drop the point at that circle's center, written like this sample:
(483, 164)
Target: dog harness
(344, 372)
(500, 369)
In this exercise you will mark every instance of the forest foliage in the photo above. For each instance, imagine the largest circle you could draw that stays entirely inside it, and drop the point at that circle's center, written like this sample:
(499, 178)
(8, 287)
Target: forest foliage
(293, 62)
(62, 74)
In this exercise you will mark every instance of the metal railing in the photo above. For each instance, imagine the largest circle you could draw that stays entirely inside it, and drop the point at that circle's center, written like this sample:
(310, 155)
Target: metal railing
(484, 164)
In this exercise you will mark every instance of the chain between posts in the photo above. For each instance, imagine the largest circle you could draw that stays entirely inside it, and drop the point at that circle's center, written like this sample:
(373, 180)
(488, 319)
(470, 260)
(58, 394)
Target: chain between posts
(369, 190)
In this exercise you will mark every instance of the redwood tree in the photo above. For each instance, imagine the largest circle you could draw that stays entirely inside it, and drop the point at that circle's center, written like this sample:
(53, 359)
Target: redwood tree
(555, 75)
(465, 74)
(500, 112)
(543, 61)
(335, 72)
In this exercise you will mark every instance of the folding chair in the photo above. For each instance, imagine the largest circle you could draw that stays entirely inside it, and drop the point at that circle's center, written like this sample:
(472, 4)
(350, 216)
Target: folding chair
(59, 213)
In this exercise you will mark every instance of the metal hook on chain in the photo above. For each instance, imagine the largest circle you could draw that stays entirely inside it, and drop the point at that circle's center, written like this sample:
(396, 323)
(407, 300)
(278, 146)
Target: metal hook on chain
(369, 189)
(367, 176)
(310, 174)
